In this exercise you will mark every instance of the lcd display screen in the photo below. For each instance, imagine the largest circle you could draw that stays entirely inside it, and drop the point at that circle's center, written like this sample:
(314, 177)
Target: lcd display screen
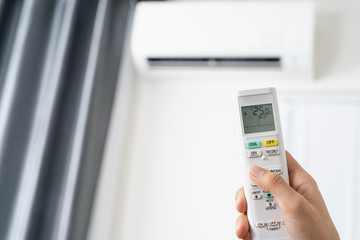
(258, 118)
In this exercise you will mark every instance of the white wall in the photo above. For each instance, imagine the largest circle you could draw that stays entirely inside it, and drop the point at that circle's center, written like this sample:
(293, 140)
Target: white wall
(181, 159)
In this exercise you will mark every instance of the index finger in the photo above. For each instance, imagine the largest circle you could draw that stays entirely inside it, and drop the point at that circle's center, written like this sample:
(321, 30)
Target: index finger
(297, 174)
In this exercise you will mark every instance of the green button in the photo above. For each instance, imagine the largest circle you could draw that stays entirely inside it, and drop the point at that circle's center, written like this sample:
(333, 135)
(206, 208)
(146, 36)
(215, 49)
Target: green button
(250, 145)
(268, 195)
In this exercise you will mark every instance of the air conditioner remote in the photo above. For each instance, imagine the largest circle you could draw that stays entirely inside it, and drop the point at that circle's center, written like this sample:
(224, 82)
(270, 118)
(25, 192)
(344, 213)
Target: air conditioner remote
(262, 144)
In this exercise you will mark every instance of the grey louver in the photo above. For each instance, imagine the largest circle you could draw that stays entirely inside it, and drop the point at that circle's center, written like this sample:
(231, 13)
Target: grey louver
(215, 62)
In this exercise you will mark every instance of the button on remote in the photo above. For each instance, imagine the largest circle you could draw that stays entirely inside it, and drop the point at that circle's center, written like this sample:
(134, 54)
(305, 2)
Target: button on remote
(268, 195)
(273, 223)
(272, 152)
(255, 144)
(271, 143)
(270, 204)
(259, 224)
(276, 170)
(254, 153)
(256, 196)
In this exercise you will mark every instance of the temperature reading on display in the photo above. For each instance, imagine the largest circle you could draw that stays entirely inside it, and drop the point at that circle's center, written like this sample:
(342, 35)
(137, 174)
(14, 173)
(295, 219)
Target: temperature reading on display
(258, 118)
(262, 111)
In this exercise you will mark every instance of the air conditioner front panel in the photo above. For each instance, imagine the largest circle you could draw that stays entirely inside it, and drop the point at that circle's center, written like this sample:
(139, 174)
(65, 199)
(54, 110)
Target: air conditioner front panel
(240, 29)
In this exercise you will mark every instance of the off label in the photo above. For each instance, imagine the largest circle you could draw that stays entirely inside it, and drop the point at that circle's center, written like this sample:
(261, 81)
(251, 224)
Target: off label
(271, 142)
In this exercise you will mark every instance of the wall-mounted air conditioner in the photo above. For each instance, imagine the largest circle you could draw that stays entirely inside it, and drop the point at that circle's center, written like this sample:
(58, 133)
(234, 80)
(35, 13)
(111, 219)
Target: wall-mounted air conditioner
(241, 35)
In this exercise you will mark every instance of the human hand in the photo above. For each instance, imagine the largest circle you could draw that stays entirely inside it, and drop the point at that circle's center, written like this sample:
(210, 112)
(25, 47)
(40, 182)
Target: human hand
(303, 208)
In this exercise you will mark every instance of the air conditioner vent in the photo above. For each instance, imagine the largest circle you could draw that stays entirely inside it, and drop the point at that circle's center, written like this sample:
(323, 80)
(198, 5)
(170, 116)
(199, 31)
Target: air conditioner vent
(215, 62)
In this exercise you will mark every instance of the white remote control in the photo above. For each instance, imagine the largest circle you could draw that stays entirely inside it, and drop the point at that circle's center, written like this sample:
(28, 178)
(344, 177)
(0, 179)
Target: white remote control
(262, 144)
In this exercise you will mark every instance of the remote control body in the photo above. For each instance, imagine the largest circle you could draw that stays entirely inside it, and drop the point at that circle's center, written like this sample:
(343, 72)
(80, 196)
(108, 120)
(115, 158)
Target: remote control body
(261, 144)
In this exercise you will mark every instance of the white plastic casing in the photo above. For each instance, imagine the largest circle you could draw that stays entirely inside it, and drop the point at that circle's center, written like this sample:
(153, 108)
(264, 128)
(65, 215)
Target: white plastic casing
(257, 211)
(226, 29)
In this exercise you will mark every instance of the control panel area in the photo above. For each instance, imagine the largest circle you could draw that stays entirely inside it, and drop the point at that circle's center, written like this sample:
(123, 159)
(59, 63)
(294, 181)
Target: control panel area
(267, 151)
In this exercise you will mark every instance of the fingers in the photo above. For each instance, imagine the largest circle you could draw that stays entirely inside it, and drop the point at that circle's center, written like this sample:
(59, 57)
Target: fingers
(303, 183)
(242, 227)
(292, 164)
(273, 183)
(247, 237)
(240, 200)
(297, 175)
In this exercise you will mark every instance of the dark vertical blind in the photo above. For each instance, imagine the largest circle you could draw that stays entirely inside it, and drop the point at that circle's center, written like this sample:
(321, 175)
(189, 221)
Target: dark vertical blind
(59, 66)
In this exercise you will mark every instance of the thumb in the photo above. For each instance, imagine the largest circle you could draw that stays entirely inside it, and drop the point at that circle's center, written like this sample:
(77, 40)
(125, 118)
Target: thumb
(273, 183)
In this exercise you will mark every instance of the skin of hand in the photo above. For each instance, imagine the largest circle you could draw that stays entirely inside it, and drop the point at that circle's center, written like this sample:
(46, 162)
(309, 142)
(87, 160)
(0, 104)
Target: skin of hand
(304, 211)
